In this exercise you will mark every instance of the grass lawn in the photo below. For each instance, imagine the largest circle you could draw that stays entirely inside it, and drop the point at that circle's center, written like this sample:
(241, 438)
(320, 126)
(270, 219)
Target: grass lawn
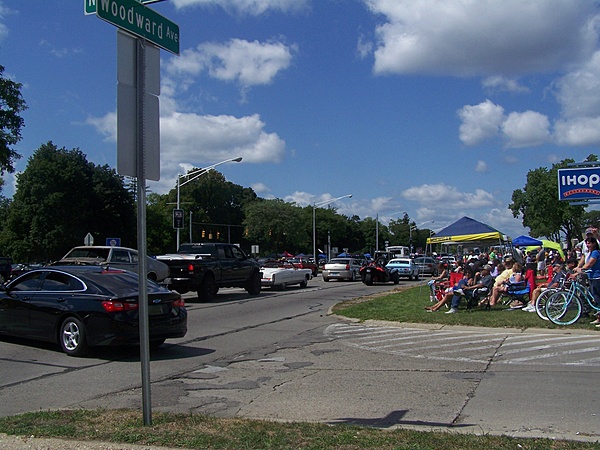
(202, 432)
(408, 306)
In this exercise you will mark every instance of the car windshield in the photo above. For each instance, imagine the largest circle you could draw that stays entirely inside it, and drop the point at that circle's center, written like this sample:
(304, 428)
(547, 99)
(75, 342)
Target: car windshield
(339, 261)
(400, 261)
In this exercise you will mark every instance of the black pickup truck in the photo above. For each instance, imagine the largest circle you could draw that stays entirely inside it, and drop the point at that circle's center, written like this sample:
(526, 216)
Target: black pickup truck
(206, 267)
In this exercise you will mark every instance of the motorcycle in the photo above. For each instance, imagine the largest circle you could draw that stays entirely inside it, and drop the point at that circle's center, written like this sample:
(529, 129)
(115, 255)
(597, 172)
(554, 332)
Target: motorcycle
(377, 272)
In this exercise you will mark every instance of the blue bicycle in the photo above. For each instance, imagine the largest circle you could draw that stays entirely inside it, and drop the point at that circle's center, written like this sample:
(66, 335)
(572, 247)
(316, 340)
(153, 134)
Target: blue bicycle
(566, 306)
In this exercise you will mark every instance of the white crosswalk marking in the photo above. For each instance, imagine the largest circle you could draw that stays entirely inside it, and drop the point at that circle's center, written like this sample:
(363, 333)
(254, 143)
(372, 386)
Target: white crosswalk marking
(497, 346)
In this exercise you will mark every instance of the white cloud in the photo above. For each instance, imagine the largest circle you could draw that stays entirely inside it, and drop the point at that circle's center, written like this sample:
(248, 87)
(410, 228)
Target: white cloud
(502, 219)
(487, 120)
(382, 203)
(443, 196)
(59, 52)
(342, 206)
(105, 125)
(247, 63)
(260, 188)
(577, 92)
(4, 13)
(499, 83)
(480, 122)
(250, 7)
(581, 131)
(364, 47)
(527, 129)
(191, 140)
(483, 37)
(301, 198)
(481, 167)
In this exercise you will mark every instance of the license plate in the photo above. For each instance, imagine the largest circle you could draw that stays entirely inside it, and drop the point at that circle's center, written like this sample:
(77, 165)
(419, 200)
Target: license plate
(335, 274)
(154, 310)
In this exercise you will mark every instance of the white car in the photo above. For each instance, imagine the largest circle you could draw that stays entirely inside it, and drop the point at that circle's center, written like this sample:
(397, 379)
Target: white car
(116, 257)
(405, 267)
(342, 269)
(281, 275)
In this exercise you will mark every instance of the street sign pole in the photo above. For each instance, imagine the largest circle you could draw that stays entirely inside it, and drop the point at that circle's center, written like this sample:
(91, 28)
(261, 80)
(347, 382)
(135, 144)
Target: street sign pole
(149, 27)
(141, 218)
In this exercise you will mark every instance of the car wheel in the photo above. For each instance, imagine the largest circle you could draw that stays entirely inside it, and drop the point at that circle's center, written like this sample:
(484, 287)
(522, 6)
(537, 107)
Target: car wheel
(254, 284)
(325, 279)
(410, 277)
(353, 276)
(396, 278)
(304, 283)
(72, 338)
(369, 279)
(207, 288)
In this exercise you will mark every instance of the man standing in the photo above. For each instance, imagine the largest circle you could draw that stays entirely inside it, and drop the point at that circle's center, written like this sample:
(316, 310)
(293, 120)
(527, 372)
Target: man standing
(541, 261)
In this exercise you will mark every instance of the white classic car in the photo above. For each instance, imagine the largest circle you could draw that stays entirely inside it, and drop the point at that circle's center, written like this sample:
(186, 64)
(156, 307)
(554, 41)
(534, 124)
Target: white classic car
(282, 274)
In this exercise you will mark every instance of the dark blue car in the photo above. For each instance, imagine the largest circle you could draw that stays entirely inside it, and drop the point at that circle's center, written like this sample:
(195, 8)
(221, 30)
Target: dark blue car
(83, 306)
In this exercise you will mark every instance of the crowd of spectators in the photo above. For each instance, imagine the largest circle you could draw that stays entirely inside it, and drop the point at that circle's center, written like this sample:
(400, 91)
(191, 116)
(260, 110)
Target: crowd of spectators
(484, 279)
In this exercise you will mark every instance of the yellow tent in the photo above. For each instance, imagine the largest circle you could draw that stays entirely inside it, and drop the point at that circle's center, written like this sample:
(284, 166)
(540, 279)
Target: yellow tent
(548, 244)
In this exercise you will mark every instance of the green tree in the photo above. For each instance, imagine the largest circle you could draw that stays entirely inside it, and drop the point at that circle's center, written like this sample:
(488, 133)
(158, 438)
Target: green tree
(541, 210)
(60, 197)
(216, 206)
(274, 225)
(160, 235)
(11, 105)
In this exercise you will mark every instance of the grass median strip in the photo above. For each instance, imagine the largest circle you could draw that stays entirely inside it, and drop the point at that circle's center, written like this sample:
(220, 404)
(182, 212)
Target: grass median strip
(199, 431)
(408, 306)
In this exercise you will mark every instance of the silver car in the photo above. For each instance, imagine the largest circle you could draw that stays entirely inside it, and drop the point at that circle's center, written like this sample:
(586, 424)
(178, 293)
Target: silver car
(406, 267)
(342, 269)
(427, 265)
(117, 257)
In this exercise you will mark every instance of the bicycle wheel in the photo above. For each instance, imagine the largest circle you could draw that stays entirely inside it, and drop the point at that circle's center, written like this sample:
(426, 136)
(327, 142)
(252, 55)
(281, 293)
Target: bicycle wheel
(563, 308)
(540, 303)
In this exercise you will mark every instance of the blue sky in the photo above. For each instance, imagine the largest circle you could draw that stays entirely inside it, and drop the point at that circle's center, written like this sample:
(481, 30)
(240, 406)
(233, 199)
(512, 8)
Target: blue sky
(436, 108)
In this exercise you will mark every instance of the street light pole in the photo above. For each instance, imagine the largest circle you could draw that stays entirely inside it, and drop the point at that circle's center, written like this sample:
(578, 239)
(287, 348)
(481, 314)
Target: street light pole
(315, 206)
(191, 177)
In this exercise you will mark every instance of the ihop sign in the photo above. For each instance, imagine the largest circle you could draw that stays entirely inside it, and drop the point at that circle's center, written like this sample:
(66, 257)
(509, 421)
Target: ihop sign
(579, 184)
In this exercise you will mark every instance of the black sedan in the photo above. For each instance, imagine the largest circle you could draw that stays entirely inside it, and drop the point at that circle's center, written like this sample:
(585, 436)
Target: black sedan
(85, 306)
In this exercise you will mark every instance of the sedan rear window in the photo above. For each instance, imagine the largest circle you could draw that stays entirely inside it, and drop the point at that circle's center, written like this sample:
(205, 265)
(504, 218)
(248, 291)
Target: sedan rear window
(58, 281)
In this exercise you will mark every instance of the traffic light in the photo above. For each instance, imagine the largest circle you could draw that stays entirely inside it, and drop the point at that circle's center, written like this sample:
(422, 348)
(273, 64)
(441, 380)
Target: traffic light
(178, 218)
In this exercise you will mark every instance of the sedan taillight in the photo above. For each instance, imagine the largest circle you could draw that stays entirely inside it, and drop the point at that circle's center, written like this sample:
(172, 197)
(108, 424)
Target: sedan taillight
(347, 266)
(118, 306)
(179, 303)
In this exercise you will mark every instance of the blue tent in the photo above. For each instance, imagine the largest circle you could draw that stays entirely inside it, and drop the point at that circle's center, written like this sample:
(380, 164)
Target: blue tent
(467, 230)
(526, 241)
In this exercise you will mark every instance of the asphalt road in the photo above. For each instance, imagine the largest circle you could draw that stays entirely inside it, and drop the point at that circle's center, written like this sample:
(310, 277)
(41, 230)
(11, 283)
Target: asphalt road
(280, 356)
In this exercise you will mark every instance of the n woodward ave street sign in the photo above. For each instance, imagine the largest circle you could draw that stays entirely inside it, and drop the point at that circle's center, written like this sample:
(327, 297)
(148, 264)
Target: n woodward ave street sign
(137, 19)
(582, 183)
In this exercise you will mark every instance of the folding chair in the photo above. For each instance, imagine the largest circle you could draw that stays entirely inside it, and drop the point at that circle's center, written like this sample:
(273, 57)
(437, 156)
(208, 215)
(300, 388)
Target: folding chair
(517, 292)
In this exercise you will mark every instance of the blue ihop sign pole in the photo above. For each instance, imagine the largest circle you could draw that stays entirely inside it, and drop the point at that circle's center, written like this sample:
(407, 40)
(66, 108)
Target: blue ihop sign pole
(582, 183)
